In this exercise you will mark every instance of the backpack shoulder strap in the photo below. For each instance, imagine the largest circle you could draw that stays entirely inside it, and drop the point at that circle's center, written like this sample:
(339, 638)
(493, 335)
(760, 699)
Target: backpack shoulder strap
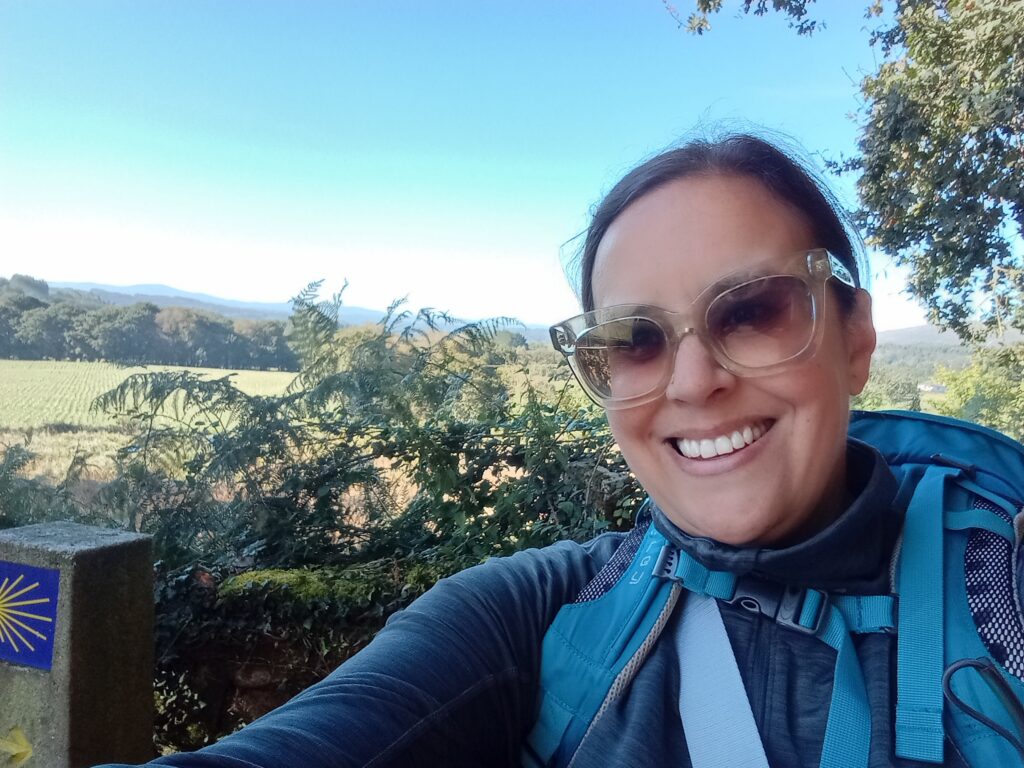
(919, 666)
(593, 648)
(707, 663)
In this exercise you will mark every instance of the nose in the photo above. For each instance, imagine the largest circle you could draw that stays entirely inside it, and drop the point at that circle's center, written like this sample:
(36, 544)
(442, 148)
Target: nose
(697, 377)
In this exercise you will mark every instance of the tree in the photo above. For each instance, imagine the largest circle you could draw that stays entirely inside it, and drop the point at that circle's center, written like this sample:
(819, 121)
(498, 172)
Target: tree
(888, 387)
(940, 155)
(266, 346)
(989, 391)
(699, 22)
(30, 286)
(941, 160)
(47, 332)
(125, 334)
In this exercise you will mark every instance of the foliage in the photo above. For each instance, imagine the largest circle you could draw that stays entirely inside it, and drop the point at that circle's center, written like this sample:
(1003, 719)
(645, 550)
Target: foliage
(24, 501)
(888, 387)
(699, 22)
(220, 638)
(919, 362)
(289, 527)
(990, 390)
(941, 158)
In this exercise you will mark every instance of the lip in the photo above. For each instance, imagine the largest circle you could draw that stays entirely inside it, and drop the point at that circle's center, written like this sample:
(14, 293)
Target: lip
(727, 462)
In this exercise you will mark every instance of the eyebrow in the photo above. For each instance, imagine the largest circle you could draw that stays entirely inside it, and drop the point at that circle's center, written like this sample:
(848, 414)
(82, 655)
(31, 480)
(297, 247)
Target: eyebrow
(734, 279)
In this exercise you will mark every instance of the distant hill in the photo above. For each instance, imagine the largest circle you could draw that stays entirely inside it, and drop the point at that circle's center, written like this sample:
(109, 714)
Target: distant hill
(932, 336)
(166, 296)
(919, 334)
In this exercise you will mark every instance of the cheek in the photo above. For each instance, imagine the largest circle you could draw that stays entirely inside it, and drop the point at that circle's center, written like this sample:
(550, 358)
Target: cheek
(625, 426)
(822, 401)
(632, 430)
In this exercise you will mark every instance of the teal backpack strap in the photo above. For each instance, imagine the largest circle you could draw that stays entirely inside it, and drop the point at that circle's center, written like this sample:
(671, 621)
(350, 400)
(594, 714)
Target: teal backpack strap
(919, 583)
(966, 519)
(984, 700)
(592, 650)
(848, 730)
(867, 613)
(979, 702)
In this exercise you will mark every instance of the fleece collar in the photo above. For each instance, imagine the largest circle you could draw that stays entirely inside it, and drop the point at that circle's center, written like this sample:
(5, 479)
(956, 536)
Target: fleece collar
(852, 554)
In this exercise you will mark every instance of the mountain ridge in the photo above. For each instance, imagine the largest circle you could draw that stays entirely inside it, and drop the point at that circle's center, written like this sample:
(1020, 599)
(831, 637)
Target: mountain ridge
(168, 296)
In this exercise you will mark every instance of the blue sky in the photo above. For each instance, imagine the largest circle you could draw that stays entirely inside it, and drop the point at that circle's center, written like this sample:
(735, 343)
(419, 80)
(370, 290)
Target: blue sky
(440, 150)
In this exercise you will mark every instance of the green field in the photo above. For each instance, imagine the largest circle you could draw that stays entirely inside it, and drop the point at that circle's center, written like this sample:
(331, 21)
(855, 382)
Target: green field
(46, 406)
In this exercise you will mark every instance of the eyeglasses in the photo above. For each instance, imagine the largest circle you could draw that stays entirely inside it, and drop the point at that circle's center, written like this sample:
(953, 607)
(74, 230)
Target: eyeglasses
(753, 324)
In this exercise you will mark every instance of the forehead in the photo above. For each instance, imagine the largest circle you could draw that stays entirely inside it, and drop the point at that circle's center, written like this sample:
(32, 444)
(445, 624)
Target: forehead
(666, 247)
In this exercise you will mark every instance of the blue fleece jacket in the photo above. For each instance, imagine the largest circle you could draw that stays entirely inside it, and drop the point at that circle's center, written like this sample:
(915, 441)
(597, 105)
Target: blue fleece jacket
(452, 680)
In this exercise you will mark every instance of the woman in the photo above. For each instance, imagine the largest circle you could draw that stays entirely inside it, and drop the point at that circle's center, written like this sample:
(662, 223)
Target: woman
(725, 334)
(734, 417)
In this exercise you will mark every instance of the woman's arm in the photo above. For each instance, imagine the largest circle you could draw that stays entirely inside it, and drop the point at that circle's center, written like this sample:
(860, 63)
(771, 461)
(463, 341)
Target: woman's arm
(450, 681)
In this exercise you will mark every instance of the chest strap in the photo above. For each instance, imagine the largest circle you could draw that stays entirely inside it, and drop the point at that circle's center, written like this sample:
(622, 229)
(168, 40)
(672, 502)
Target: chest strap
(848, 729)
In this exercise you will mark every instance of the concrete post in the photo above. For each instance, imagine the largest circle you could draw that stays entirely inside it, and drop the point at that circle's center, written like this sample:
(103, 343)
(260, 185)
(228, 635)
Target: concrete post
(76, 646)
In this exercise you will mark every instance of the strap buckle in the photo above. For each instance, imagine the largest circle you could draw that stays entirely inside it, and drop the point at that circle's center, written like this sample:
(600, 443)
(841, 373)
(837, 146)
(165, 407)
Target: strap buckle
(782, 604)
(665, 566)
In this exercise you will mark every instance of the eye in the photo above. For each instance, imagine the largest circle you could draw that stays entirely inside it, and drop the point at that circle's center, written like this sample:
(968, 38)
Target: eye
(759, 307)
(631, 339)
(641, 340)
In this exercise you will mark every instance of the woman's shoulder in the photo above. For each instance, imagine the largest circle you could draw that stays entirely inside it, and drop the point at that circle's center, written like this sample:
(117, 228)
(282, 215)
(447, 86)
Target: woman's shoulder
(550, 575)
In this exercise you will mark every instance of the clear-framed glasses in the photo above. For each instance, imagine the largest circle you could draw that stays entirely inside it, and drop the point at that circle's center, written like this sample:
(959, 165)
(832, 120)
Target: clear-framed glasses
(754, 322)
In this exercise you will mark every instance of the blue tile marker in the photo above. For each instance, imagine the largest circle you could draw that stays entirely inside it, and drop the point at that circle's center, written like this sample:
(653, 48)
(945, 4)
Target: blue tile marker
(28, 614)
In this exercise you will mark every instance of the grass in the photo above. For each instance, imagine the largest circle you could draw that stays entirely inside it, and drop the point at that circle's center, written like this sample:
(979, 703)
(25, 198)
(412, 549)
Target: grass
(45, 405)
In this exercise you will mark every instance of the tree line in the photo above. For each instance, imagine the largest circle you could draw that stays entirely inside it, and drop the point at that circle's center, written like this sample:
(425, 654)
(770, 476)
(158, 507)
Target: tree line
(36, 324)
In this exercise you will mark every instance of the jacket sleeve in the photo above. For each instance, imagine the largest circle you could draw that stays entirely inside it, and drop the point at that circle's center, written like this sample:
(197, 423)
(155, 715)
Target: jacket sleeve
(450, 681)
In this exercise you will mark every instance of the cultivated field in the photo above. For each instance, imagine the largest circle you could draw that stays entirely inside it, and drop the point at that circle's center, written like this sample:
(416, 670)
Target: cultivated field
(46, 406)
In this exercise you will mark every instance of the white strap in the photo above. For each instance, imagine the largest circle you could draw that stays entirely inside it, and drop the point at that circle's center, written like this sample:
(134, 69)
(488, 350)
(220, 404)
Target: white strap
(717, 719)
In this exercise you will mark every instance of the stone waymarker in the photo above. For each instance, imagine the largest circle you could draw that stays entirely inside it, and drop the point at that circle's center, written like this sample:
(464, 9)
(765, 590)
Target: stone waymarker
(76, 646)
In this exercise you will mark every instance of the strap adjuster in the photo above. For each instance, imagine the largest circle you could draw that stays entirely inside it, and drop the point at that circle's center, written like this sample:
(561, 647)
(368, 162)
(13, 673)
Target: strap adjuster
(793, 607)
(783, 604)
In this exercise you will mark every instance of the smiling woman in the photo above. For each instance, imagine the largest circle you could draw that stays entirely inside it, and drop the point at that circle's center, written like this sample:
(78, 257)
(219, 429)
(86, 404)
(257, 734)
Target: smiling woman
(663, 250)
(749, 618)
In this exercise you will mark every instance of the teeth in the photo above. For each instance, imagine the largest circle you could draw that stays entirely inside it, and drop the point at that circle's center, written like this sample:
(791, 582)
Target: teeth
(709, 448)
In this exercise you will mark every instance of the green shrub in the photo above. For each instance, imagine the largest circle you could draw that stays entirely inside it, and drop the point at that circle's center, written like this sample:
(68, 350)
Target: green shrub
(289, 528)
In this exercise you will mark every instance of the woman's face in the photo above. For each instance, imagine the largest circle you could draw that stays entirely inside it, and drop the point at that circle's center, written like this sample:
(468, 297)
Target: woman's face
(790, 481)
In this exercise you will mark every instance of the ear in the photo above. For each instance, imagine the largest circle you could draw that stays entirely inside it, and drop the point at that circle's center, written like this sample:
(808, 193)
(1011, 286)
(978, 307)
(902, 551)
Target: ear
(860, 342)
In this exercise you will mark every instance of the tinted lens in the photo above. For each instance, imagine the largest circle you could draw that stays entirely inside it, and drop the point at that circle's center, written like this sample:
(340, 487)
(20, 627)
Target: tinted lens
(623, 358)
(763, 322)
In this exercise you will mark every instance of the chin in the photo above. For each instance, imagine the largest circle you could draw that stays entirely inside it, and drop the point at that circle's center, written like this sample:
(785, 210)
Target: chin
(748, 523)
(743, 533)
(743, 538)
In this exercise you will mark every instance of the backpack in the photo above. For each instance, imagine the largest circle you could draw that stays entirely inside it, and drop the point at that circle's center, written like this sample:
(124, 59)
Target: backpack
(962, 487)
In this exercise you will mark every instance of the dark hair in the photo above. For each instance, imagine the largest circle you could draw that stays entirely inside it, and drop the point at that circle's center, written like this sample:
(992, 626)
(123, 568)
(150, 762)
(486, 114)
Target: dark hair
(735, 155)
